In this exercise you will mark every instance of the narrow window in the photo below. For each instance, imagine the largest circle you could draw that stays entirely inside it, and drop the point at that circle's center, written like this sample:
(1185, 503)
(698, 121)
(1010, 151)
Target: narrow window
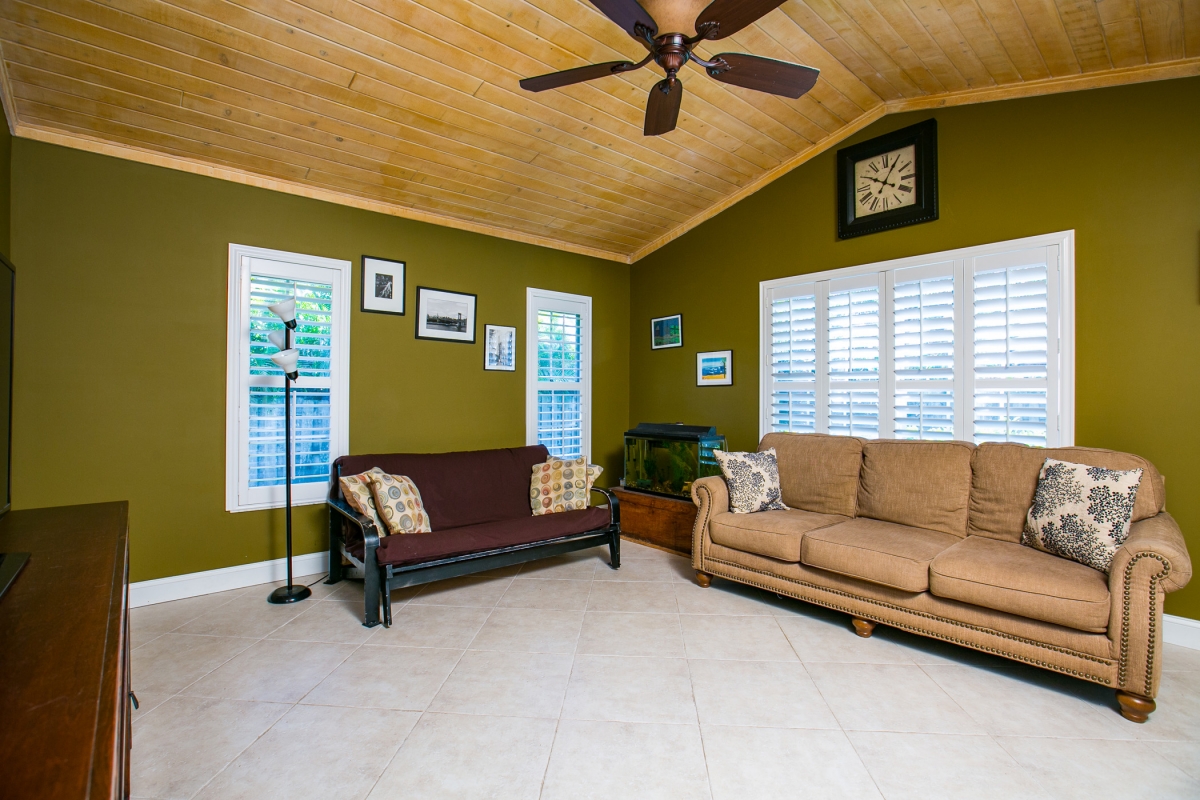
(559, 371)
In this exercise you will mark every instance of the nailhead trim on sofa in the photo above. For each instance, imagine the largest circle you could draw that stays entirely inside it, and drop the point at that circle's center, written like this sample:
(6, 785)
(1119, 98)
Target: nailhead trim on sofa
(1154, 581)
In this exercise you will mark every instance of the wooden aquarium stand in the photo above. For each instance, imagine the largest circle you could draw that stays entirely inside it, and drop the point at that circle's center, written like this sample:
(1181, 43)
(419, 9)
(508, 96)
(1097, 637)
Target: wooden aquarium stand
(663, 522)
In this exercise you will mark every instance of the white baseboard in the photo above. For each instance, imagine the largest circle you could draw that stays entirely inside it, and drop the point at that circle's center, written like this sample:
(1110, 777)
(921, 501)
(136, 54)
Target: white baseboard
(177, 587)
(1181, 631)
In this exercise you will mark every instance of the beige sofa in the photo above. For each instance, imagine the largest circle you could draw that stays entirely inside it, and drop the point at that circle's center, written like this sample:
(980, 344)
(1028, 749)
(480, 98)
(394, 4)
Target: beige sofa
(925, 536)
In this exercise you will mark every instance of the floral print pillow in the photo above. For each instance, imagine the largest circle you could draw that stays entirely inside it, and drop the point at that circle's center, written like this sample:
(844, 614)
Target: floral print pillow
(753, 481)
(1081, 512)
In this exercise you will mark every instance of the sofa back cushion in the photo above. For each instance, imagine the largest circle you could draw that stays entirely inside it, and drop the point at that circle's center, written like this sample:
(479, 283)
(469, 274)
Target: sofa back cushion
(1005, 477)
(921, 484)
(817, 473)
(463, 488)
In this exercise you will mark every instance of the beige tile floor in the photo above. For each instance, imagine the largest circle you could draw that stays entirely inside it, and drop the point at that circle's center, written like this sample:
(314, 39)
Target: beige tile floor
(564, 679)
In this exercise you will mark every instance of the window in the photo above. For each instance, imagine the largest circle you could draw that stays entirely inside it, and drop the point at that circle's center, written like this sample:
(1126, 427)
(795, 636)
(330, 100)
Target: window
(559, 369)
(255, 447)
(974, 344)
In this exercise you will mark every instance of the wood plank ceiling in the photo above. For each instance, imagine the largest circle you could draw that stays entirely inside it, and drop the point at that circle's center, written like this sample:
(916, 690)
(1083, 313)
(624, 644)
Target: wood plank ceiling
(411, 107)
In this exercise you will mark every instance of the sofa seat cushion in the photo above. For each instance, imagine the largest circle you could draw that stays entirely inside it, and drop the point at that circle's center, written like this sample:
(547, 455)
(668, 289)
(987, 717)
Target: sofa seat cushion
(880, 552)
(1006, 576)
(401, 550)
(775, 534)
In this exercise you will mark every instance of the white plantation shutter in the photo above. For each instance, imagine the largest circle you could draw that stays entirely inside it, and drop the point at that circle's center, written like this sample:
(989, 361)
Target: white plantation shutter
(793, 378)
(923, 352)
(974, 344)
(1014, 327)
(255, 450)
(559, 373)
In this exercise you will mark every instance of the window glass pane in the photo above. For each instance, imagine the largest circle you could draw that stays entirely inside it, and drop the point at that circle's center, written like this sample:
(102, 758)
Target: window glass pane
(854, 413)
(560, 422)
(923, 329)
(560, 347)
(311, 423)
(795, 412)
(310, 435)
(1011, 323)
(1010, 416)
(854, 335)
(924, 415)
(794, 339)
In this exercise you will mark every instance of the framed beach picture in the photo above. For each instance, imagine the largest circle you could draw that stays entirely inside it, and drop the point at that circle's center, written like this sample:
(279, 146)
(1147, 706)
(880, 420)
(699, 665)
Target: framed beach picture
(499, 348)
(666, 332)
(382, 286)
(445, 316)
(714, 368)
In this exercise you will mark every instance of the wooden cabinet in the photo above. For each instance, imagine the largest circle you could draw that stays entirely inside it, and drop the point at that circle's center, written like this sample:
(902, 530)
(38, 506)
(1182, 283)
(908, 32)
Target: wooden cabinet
(64, 655)
(664, 522)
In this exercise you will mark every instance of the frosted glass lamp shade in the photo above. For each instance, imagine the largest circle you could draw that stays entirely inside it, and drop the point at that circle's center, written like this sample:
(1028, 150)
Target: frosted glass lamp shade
(278, 338)
(286, 360)
(286, 311)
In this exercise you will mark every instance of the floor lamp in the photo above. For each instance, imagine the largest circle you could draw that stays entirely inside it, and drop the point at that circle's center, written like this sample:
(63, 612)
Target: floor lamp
(287, 359)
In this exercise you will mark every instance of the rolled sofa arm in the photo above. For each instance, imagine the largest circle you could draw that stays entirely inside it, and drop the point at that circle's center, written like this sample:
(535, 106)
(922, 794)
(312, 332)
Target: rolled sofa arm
(1153, 561)
(711, 496)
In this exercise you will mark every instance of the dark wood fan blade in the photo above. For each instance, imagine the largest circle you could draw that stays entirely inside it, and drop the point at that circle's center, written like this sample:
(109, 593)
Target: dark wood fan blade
(733, 15)
(662, 109)
(627, 14)
(568, 76)
(765, 74)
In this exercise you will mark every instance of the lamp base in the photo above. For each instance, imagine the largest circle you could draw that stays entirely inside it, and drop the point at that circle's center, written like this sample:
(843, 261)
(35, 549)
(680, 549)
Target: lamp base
(289, 594)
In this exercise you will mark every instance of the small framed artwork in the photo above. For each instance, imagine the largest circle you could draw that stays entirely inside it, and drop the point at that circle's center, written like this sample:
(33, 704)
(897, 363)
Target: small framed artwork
(714, 368)
(382, 286)
(499, 348)
(445, 316)
(666, 332)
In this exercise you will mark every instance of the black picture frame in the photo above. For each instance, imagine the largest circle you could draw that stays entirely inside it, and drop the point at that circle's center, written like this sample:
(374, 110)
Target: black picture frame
(924, 136)
(397, 291)
(423, 297)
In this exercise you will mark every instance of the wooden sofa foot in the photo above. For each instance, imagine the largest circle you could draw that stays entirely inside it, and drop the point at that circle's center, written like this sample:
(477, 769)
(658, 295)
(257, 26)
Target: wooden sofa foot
(704, 579)
(1134, 707)
(863, 627)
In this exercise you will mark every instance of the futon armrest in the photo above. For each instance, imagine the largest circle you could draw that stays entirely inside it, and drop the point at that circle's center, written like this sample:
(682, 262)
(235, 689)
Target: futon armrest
(614, 506)
(1157, 538)
(366, 527)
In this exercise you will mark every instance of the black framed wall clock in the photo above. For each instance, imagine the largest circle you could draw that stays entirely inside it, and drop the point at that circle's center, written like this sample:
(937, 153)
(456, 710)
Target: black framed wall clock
(889, 181)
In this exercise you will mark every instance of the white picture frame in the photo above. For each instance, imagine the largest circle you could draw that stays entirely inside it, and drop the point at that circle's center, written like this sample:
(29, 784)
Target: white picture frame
(382, 286)
(499, 348)
(714, 368)
(663, 334)
(445, 316)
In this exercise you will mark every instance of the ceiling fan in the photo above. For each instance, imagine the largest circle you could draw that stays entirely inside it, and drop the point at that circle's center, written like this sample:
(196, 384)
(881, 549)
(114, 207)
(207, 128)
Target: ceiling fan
(716, 20)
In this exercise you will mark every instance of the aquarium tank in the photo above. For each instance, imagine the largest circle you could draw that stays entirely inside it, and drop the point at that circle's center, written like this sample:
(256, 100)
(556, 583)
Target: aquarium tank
(667, 457)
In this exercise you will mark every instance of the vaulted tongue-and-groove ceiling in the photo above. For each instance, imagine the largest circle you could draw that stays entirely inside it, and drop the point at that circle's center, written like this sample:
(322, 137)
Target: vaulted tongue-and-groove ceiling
(412, 107)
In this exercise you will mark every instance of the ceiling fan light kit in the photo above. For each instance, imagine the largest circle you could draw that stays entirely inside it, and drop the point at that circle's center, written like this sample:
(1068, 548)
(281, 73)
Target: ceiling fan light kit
(673, 49)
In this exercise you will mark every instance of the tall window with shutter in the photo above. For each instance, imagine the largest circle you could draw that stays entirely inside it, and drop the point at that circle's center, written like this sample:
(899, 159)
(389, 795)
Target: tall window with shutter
(255, 452)
(974, 344)
(559, 372)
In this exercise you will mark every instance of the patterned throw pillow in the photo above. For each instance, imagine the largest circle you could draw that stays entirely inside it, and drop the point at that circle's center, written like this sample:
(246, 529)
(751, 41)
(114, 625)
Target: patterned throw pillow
(1081, 512)
(562, 485)
(399, 503)
(357, 491)
(753, 480)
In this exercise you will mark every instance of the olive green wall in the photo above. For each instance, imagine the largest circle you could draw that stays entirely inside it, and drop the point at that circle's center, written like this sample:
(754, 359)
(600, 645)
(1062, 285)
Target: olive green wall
(5, 183)
(120, 354)
(1119, 166)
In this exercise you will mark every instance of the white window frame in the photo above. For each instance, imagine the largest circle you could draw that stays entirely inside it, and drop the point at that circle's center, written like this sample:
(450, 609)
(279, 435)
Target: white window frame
(1060, 399)
(295, 266)
(539, 299)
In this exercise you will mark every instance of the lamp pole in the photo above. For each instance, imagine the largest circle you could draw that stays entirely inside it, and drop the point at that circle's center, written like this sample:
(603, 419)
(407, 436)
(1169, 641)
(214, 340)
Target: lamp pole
(286, 359)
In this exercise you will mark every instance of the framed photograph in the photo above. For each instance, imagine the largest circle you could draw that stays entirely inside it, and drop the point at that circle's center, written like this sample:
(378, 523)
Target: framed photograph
(666, 332)
(500, 348)
(888, 182)
(445, 316)
(714, 368)
(382, 286)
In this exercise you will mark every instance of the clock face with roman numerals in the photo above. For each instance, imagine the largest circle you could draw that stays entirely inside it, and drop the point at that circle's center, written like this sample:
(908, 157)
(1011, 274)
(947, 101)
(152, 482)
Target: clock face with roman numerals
(885, 182)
